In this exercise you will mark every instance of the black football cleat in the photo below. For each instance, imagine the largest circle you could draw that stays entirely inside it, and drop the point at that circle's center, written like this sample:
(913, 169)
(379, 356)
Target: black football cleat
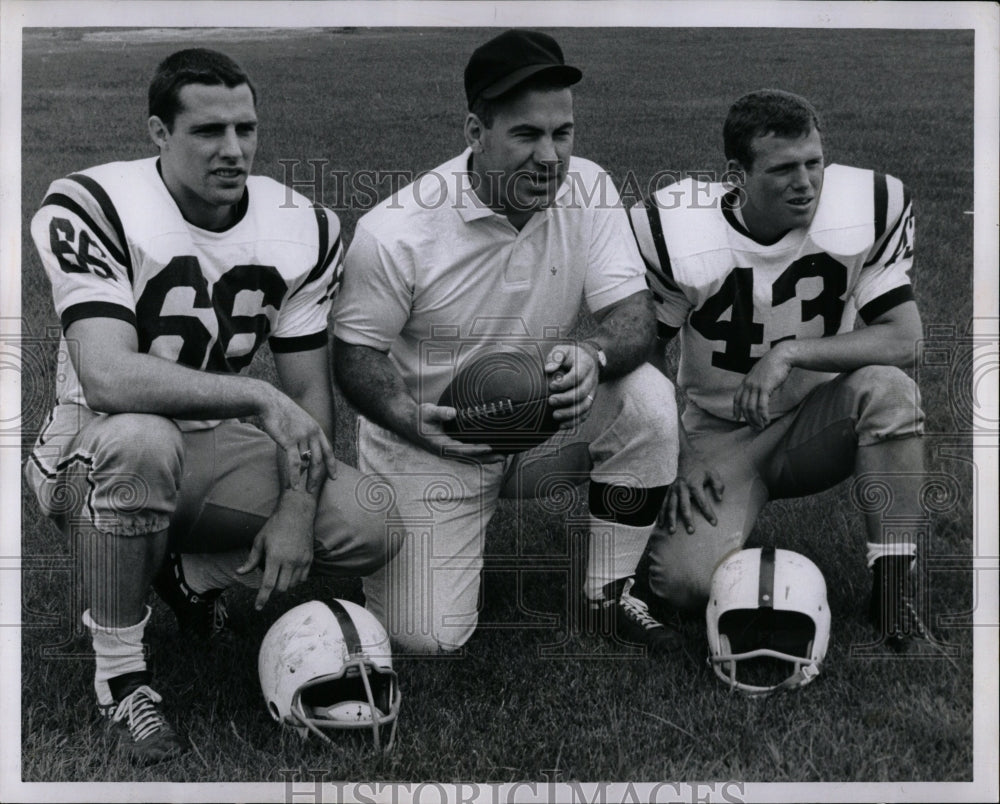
(635, 623)
(625, 617)
(202, 614)
(136, 722)
(893, 610)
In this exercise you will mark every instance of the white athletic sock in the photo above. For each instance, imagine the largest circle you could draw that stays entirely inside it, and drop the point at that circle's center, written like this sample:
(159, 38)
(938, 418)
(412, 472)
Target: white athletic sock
(878, 549)
(614, 551)
(117, 651)
(204, 571)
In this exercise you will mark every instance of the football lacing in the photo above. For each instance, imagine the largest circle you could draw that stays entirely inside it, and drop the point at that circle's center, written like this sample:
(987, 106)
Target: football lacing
(499, 407)
(144, 719)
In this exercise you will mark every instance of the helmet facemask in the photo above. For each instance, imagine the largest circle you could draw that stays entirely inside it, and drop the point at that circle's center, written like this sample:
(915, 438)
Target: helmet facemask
(328, 666)
(363, 696)
(763, 650)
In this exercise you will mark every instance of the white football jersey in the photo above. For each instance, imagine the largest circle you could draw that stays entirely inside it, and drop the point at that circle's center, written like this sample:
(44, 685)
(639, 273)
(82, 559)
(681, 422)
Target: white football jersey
(734, 298)
(114, 244)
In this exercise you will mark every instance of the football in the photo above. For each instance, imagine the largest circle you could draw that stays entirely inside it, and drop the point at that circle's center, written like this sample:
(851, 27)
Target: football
(501, 398)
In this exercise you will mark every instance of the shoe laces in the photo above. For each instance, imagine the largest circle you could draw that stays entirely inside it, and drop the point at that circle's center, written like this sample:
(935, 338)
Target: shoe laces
(913, 618)
(219, 614)
(139, 708)
(637, 610)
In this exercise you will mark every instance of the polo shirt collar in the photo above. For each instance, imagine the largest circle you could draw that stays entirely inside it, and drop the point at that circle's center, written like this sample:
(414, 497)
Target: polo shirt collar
(469, 205)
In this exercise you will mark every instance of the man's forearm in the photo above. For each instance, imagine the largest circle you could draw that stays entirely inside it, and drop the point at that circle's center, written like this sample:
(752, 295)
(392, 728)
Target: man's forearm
(879, 344)
(627, 334)
(373, 385)
(142, 383)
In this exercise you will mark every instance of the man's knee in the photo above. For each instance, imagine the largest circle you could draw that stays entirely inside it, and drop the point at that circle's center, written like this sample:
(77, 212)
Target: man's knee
(131, 473)
(143, 444)
(685, 589)
(888, 404)
(636, 429)
(352, 537)
(356, 551)
(650, 403)
(429, 642)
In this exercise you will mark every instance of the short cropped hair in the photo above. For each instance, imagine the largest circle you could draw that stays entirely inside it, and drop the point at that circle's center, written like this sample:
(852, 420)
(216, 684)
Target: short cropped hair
(763, 112)
(486, 109)
(192, 66)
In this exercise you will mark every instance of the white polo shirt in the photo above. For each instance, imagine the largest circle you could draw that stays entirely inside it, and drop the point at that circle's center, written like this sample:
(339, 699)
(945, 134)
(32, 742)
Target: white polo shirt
(433, 274)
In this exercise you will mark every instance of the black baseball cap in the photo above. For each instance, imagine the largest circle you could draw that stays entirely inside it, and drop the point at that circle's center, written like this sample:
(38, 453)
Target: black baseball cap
(510, 59)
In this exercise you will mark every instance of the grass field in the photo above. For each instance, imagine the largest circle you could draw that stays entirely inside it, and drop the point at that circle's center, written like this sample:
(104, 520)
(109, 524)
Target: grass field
(529, 699)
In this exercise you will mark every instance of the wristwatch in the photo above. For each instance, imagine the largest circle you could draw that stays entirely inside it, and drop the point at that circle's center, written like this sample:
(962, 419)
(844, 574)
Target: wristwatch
(599, 356)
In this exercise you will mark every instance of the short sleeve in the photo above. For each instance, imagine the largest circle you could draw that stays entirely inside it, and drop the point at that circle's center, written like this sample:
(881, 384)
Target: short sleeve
(82, 246)
(671, 305)
(302, 323)
(614, 268)
(376, 294)
(884, 281)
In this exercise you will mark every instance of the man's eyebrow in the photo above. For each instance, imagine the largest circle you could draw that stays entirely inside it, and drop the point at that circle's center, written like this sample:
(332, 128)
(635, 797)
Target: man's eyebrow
(216, 124)
(519, 127)
(792, 162)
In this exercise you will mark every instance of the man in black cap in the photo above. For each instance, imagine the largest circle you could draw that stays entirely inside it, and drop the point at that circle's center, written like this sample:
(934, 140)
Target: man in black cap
(500, 247)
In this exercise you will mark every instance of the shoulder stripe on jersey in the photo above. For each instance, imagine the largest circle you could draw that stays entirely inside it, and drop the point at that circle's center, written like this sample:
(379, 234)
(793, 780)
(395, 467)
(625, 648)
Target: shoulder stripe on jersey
(901, 221)
(881, 205)
(64, 201)
(331, 254)
(299, 343)
(352, 639)
(108, 208)
(326, 254)
(96, 310)
(664, 272)
(324, 240)
(885, 302)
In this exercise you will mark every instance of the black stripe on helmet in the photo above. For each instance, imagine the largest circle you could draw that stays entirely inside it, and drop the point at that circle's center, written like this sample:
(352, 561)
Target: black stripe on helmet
(765, 589)
(351, 637)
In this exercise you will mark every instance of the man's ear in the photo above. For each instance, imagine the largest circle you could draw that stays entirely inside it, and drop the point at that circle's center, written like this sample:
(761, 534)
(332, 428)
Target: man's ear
(735, 172)
(474, 129)
(158, 131)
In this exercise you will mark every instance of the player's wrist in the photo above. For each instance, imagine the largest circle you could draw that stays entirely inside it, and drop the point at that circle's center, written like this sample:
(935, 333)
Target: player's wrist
(298, 501)
(787, 351)
(596, 351)
(265, 398)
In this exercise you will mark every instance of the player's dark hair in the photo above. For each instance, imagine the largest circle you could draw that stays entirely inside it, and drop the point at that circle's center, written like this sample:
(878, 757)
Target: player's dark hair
(766, 111)
(486, 109)
(192, 66)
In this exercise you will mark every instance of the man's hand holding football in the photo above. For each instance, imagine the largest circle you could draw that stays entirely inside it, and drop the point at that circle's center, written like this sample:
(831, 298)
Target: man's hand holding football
(574, 384)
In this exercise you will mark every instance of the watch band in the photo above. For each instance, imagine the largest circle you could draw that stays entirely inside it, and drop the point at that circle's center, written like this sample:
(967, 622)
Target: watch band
(600, 356)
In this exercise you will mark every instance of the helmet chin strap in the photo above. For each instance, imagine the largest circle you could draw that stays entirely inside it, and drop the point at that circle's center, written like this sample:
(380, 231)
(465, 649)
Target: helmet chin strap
(802, 676)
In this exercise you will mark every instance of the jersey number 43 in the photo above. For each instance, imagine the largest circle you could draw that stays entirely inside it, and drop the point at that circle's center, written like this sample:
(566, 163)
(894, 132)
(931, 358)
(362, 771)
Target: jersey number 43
(741, 332)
